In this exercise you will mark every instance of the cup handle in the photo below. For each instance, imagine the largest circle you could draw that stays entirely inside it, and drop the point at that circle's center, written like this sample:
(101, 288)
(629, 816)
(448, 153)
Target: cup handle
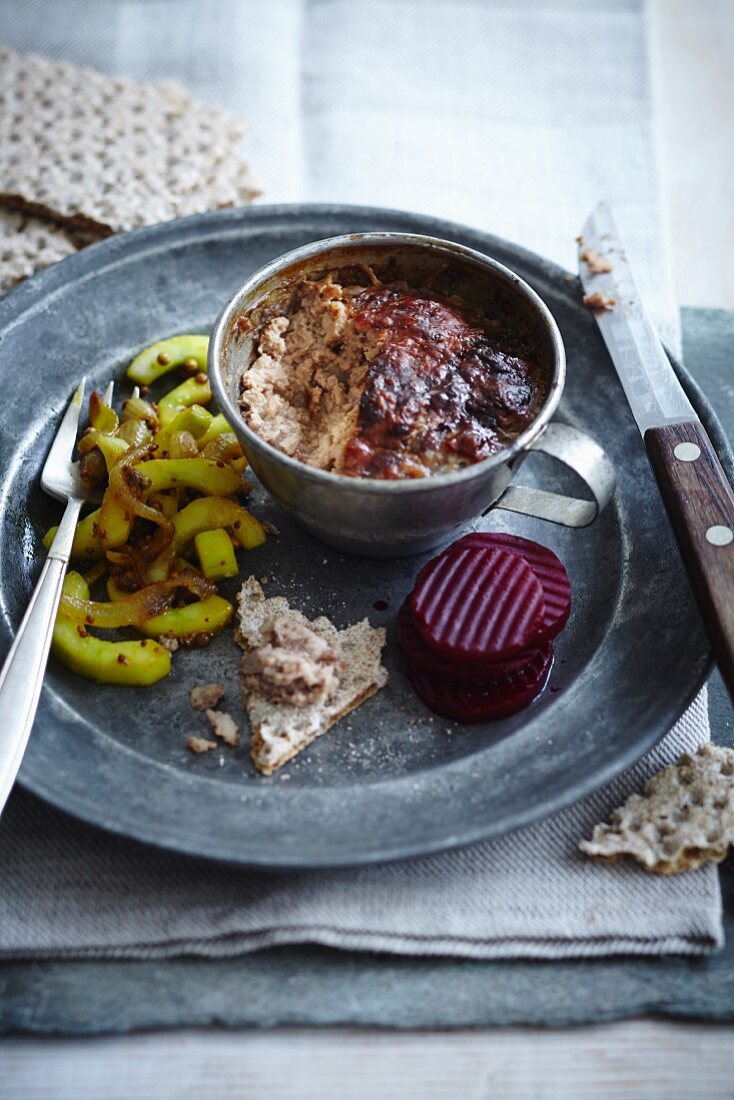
(582, 455)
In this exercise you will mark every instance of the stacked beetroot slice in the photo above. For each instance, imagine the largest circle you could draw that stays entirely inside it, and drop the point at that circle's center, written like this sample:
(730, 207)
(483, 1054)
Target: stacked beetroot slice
(476, 631)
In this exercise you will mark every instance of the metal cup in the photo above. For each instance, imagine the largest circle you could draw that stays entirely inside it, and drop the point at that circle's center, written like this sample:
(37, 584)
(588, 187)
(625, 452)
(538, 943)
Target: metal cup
(386, 518)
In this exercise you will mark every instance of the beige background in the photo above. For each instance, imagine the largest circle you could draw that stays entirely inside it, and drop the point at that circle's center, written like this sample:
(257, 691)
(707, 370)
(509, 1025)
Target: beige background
(693, 44)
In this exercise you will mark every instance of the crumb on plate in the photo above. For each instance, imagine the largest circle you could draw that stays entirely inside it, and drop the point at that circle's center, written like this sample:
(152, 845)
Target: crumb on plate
(200, 744)
(205, 696)
(224, 727)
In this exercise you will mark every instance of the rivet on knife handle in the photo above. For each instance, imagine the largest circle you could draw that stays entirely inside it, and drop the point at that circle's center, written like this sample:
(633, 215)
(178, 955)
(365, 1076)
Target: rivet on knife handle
(700, 504)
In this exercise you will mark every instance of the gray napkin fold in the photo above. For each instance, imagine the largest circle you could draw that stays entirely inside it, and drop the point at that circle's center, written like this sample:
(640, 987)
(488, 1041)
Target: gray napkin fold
(67, 889)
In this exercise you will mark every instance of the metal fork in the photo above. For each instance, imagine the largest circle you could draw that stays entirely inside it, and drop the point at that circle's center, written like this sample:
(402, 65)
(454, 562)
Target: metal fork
(22, 674)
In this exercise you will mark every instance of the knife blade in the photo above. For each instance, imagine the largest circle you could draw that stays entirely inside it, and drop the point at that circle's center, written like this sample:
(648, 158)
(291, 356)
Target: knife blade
(692, 482)
(654, 393)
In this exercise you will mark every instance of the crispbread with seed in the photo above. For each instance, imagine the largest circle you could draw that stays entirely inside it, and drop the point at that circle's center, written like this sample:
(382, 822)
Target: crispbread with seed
(279, 730)
(110, 155)
(684, 818)
(27, 245)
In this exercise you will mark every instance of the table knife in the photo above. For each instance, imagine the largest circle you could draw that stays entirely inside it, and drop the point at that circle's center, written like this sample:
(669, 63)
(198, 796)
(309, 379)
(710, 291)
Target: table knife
(697, 495)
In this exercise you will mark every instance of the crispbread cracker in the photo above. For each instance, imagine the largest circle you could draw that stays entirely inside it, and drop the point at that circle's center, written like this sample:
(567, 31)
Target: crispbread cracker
(110, 155)
(685, 817)
(280, 731)
(27, 245)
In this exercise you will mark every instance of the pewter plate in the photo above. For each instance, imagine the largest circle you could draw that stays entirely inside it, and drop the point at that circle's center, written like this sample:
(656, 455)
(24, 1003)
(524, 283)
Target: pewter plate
(392, 780)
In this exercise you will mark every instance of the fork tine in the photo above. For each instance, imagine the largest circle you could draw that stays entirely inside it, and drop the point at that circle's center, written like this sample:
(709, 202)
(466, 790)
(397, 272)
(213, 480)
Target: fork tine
(107, 396)
(63, 445)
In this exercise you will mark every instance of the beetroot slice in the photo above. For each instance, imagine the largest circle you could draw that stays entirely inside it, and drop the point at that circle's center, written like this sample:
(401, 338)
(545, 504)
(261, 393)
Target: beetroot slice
(548, 568)
(419, 656)
(478, 603)
(484, 702)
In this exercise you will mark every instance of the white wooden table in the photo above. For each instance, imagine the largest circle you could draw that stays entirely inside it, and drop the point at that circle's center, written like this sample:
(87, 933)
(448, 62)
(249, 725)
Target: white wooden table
(693, 44)
(643, 1060)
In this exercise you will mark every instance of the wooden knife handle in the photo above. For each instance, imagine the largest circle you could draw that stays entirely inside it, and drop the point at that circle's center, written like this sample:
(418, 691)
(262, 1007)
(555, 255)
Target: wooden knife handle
(700, 504)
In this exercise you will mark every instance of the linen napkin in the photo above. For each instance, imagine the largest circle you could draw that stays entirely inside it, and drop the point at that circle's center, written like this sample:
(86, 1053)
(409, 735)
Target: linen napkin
(69, 889)
(515, 118)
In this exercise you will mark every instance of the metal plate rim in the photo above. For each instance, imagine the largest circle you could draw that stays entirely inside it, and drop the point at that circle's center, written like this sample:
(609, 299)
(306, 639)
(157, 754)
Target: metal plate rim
(30, 296)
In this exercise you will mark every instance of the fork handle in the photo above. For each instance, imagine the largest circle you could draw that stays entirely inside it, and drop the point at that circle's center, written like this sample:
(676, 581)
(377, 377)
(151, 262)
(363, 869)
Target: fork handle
(22, 674)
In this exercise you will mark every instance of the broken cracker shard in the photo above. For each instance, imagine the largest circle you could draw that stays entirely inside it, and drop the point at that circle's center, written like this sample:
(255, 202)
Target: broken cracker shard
(282, 729)
(684, 818)
(28, 244)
